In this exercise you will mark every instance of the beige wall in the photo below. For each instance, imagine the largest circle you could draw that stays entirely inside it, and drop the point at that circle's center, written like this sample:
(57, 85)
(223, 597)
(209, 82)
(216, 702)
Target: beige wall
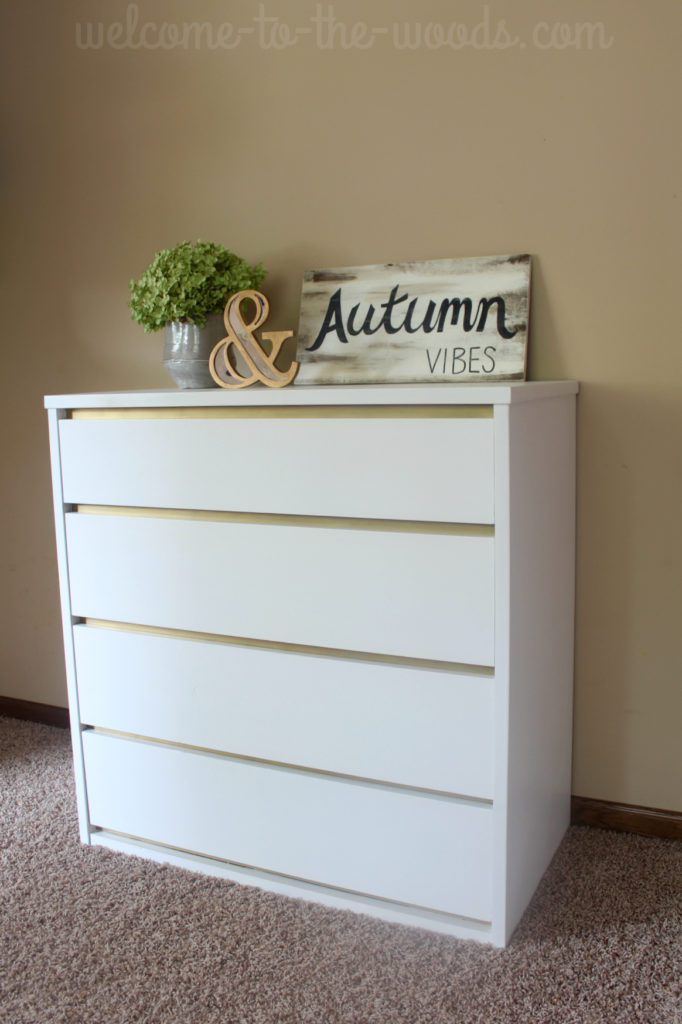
(312, 156)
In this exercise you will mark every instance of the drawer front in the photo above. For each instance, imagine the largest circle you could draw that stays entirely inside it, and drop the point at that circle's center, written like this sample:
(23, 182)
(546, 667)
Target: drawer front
(409, 594)
(415, 848)
(436, 469)
(413, 726)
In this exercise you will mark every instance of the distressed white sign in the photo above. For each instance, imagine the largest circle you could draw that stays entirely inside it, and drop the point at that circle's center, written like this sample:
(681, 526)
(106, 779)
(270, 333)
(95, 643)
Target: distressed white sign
(435, 320)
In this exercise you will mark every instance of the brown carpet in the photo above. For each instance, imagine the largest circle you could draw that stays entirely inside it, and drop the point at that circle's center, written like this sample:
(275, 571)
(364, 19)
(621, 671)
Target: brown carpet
(87, 935)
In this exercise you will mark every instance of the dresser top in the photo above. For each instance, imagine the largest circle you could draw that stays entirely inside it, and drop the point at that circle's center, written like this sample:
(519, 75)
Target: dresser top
(498, 393)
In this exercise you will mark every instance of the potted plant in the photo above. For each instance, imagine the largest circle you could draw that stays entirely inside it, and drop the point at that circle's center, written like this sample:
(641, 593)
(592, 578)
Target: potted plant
(184, 290)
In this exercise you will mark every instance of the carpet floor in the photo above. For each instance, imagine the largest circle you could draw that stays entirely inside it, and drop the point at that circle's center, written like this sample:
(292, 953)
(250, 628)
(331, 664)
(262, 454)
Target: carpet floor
(89, 935)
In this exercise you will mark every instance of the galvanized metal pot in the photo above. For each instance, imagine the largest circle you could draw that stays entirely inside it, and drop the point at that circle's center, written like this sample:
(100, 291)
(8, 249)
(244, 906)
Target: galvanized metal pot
(187, 348)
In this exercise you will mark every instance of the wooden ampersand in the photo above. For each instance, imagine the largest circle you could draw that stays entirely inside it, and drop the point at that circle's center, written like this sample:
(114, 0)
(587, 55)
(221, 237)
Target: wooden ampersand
(260, 364)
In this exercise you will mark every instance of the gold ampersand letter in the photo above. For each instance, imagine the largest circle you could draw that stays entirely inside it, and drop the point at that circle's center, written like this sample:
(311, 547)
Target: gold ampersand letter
(260, 364)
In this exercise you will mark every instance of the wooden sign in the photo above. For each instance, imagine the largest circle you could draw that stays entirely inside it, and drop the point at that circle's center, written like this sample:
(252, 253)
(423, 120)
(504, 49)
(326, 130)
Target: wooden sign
(240, 360)
(438, 320)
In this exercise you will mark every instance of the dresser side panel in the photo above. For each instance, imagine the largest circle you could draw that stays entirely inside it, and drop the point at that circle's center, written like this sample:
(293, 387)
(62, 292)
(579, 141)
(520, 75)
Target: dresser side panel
(541, 637)
(502, 674)
(55, 416)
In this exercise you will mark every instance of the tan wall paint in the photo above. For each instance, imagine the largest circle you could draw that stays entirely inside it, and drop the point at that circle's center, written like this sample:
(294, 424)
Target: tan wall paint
(311, 157)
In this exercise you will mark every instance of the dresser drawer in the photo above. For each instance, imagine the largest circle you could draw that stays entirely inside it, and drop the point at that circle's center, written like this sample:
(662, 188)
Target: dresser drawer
(365, 838)
(432, 468)
(413, 726)
(419, 595)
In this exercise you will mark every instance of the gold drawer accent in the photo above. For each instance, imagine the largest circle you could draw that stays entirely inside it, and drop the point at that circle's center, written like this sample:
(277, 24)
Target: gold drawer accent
(280, 519)
(280, 645)
(292, 412)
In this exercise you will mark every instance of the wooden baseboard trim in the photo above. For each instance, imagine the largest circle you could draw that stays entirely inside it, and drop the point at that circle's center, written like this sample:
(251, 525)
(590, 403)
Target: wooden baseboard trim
(32, 711)
(644, 821)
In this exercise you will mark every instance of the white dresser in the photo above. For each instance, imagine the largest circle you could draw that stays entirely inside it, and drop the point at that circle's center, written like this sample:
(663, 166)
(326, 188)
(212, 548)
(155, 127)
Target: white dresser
(320, 640)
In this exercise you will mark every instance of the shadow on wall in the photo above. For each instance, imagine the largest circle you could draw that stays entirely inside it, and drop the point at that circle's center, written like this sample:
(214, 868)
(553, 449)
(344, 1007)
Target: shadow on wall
(629, 563)
(546, 358)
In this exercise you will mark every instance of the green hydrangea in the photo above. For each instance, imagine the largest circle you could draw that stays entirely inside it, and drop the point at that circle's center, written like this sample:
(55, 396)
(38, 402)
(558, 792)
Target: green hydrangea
(189, 283)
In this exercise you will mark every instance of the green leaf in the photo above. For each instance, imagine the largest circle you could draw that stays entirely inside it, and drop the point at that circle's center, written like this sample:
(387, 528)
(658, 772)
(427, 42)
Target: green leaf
(189, 283)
